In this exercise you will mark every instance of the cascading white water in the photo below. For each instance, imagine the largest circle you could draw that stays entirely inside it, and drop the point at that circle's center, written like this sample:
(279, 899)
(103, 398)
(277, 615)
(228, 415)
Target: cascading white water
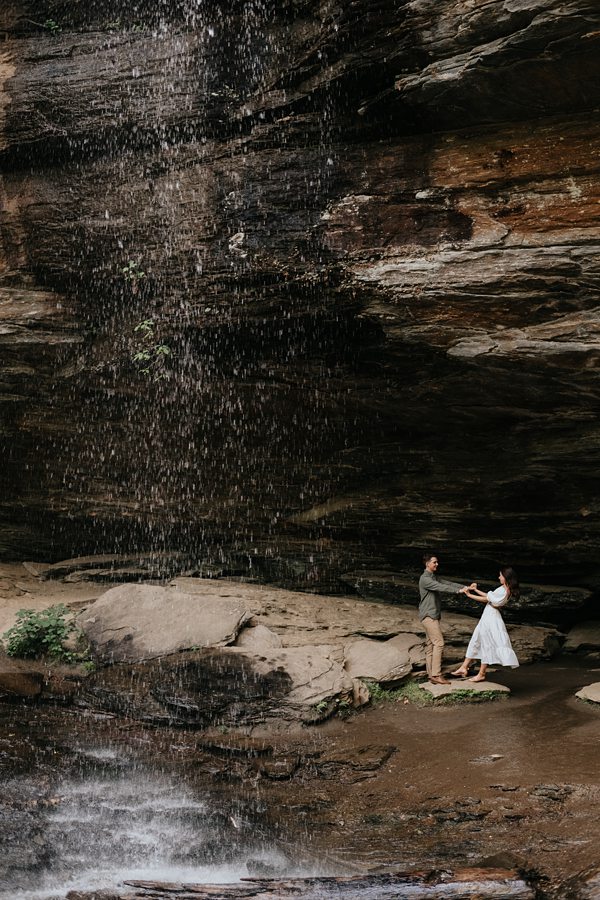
(119, 822)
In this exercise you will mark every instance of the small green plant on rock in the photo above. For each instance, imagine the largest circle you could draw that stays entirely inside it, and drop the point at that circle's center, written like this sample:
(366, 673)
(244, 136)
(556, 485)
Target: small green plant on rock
(150, 358)
(344, 709)
(132, 272)
(340, 708)
(409, 691)
(40, 633)
(122, 25)
(52, 26)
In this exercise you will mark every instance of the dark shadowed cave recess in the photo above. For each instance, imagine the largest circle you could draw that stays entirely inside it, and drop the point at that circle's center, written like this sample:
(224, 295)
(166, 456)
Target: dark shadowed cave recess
(368, 235)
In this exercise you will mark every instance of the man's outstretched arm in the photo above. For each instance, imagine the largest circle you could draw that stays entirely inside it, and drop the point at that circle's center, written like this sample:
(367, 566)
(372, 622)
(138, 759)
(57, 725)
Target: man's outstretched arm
(430, 583)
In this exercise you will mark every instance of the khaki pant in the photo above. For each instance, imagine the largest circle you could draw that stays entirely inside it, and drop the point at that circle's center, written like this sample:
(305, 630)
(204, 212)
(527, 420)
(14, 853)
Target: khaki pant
(434, 646)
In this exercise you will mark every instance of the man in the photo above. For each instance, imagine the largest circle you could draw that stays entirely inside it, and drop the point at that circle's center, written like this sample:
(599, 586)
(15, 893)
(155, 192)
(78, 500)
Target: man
(430, 613)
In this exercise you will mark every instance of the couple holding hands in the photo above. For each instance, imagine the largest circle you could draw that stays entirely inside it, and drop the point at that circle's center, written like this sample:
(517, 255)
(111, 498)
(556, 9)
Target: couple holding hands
(489, 643)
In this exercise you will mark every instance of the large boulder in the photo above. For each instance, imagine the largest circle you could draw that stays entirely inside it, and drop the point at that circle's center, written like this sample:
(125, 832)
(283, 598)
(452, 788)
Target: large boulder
(412, 644)
(130, 623)
(210, 653)
(378, 661)
(584, 637)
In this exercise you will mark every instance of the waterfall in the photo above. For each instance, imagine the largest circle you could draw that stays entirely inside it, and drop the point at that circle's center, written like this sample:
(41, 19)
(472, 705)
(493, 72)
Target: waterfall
(120, 821)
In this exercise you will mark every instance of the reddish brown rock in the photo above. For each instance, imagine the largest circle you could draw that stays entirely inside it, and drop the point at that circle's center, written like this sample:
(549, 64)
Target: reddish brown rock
(368, 237)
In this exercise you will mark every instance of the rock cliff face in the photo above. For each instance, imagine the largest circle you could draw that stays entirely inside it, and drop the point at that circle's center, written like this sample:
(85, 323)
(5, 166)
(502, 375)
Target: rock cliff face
(367, 233)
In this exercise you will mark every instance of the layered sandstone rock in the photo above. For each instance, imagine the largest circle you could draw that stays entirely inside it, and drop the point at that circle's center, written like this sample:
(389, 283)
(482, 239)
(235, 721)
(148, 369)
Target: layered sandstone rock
(181, 654)
(368, 235)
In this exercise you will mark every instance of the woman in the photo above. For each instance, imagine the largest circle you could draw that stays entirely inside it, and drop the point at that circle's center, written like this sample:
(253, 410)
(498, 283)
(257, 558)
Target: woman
(490, 641)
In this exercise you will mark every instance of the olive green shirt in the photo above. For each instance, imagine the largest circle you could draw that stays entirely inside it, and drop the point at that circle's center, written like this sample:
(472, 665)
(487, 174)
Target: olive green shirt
(430, 589)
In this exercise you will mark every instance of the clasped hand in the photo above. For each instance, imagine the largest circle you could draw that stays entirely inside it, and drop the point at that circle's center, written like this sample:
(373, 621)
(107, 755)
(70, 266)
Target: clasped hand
(468, 587)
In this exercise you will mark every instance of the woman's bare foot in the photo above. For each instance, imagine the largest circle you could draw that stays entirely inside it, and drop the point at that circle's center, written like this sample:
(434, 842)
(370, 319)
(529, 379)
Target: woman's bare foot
(478, 677)
(460, 673)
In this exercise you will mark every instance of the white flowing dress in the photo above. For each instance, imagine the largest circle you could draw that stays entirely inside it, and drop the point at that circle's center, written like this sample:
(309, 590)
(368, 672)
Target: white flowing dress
(490, 641)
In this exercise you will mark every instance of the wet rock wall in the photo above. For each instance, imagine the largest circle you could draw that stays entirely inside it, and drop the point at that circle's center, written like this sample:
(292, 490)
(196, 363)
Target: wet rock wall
(367, 234)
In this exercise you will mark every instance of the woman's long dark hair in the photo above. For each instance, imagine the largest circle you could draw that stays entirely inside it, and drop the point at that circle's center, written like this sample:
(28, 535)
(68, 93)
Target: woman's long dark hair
(512, 582)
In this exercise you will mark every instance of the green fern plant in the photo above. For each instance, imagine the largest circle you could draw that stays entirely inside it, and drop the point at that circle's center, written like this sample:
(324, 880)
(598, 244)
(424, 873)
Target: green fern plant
(40, 633)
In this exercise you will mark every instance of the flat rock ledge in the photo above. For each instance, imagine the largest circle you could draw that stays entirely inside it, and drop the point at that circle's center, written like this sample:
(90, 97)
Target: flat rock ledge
(590, 692)
(478, 687)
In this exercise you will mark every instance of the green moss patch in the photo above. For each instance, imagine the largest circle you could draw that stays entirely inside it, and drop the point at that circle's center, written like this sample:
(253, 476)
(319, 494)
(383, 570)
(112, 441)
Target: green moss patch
(412, 693)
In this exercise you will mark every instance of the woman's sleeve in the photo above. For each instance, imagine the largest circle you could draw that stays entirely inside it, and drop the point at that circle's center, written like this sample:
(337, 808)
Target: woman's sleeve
(496, 597)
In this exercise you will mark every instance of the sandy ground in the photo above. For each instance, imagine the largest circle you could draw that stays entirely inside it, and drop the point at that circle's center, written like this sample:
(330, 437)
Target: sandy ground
(19, 589)
(517, 778)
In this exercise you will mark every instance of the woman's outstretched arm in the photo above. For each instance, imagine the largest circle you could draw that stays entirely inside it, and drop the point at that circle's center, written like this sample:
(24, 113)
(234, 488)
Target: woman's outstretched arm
(476, 594)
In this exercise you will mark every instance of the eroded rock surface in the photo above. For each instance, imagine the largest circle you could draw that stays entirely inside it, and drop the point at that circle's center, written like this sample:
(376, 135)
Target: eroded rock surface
(377, 661)
(216, 653)
(368, 235)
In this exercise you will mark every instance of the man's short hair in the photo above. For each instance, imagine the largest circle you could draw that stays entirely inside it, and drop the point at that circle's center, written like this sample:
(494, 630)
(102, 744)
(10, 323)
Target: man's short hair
(428, 556)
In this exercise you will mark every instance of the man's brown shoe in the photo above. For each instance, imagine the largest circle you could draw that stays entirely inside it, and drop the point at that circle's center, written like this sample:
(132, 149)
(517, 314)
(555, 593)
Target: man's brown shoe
(439, 679)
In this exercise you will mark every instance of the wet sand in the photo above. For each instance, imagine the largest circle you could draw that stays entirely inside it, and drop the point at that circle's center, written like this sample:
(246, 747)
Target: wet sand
(517, 779)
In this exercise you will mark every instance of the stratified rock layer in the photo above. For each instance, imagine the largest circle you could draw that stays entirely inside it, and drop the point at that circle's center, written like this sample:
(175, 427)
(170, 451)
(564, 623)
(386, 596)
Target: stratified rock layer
(368, 238)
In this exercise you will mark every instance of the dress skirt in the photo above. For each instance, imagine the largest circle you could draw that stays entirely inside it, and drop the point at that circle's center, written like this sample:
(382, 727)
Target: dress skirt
(490, 641)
